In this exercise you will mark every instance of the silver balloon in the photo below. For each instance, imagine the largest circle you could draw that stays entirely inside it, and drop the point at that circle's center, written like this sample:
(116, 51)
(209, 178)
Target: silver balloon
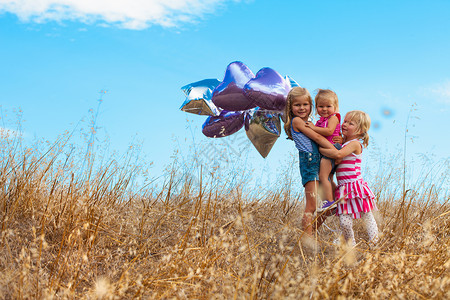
(198, 98)
(263, 129)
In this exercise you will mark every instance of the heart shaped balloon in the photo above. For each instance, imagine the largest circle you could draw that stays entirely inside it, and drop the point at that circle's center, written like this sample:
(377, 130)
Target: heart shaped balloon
(229, 94)
(228, 122)
(268, 90)
(198, 97)
(263, 130)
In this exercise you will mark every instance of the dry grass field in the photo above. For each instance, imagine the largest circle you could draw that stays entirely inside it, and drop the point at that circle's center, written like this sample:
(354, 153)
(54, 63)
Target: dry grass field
(70, 230)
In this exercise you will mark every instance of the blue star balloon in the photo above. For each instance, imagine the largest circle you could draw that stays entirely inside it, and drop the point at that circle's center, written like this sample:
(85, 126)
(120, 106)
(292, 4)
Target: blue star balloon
(198, 97)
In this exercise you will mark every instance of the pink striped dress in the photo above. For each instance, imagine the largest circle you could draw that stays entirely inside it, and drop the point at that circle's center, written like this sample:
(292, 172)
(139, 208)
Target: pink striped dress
(356, 194)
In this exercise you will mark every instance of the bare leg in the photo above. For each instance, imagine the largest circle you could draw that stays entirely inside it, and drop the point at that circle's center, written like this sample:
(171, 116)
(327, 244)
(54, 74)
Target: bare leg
(333, 186)
(325, 183)
(310, 207)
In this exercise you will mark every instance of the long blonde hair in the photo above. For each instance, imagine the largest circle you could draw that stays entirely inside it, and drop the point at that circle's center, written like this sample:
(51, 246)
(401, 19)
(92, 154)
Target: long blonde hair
(362, 122)
(327, 95)
(288, 115)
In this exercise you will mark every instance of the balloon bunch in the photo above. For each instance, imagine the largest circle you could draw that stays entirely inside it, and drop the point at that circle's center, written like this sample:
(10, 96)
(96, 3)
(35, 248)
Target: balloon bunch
(242, 99)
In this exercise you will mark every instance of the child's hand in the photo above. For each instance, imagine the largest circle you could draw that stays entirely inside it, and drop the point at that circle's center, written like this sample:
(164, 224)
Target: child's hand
(338, 139)
(310, 125)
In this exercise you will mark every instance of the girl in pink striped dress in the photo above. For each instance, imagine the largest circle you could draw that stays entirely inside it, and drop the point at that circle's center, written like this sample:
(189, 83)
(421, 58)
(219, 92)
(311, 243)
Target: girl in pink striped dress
(355, 199)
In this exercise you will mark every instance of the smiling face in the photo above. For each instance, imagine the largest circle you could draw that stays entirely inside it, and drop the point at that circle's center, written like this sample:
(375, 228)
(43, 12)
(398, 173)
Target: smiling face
(349, 128)
(325, 108)
(356, 126)
(301, 107)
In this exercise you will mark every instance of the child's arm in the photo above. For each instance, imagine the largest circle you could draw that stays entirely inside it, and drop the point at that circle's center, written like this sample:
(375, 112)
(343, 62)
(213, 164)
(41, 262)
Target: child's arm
(299, 125)
(325, 131)
(352, 147)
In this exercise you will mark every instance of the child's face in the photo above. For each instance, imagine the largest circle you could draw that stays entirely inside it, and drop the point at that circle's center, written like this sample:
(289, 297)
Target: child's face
(349, 128)
(325, 108)
(301, 107)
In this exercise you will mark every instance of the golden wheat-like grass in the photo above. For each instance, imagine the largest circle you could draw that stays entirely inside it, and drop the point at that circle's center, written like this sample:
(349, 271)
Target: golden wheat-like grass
(68, 233)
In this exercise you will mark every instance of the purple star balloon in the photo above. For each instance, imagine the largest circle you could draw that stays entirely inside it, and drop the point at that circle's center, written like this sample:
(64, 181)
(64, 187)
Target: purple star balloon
(229, 94)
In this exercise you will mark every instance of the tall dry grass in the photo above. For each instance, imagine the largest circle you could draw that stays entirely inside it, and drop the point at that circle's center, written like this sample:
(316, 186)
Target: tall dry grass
(89, 233)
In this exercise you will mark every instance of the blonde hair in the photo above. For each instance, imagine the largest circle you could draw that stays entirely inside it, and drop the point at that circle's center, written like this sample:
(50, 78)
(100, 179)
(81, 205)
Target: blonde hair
(327, 95)
(288, 115)
(362, 122)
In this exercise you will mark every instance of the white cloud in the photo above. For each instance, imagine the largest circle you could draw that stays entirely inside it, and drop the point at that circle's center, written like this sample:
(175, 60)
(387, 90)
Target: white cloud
(440, 92)
(130, 14)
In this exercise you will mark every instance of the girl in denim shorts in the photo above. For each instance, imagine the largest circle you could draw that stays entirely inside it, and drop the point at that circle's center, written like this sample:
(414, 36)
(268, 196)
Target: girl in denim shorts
(297, 112)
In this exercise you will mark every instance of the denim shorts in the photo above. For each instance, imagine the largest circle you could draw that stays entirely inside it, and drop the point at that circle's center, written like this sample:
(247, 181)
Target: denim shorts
(309, 166)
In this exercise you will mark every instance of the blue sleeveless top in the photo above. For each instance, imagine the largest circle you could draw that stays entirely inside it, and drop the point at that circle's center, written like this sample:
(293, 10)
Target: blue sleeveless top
(303, 143)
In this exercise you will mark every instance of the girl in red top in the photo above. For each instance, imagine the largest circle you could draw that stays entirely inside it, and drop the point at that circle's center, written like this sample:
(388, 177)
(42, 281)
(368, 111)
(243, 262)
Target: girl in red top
(328, 125)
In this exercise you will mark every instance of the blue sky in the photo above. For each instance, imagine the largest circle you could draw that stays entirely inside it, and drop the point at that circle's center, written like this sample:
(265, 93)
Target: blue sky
(377, 56)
